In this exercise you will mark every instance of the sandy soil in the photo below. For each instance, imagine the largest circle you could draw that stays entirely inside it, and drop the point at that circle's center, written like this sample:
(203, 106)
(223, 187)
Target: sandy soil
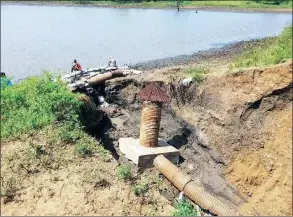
(69, 185)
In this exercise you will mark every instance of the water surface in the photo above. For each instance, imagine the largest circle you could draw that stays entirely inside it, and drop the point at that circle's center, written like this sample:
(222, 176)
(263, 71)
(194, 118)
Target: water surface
(34, 38)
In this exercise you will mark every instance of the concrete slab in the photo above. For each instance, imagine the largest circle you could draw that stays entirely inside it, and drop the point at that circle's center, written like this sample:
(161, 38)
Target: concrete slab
(144, 156)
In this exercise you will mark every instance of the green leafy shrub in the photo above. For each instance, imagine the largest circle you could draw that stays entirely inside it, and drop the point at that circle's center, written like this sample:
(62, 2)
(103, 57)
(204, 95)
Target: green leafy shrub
(35, 103)
(272, 51)
(184, 209)
(140, 188)
(196, 73)
(124, 172)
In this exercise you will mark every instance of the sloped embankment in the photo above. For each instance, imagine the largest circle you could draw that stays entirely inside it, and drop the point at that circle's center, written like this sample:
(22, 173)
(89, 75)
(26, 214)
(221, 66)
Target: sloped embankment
(232, 130)
(247, 117)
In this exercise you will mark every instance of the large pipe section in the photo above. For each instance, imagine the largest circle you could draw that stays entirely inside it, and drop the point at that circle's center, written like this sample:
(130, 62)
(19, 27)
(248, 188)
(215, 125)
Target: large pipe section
(101, 78)
(194, 192)
(150, 123)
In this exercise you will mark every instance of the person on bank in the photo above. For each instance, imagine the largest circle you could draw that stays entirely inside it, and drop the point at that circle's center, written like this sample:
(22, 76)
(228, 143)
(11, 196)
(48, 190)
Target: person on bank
(112, 62)
(76, 66)
(4, 81)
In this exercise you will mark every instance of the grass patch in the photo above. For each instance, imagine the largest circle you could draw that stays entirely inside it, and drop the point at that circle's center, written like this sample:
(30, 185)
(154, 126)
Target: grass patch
(140, 189)
(185, 209)
(86, 146)
(272, 51)
(124, 172)
(38, 102)
(196, 74)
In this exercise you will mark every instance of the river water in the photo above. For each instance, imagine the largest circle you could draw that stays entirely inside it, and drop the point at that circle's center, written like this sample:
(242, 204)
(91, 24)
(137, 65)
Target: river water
(37, 38)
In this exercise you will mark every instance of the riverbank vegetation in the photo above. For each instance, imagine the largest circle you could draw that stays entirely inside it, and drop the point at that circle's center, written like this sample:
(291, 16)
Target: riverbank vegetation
(257, 4)
(38, 102)
(270, 51)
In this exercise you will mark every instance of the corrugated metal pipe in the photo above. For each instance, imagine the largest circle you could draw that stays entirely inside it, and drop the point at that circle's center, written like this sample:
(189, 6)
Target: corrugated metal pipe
(150, 123)
(194, 192)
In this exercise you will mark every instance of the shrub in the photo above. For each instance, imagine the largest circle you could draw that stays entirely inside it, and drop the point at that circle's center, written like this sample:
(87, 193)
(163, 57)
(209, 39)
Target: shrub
(124, 172)
(35, 103)
(184, 209)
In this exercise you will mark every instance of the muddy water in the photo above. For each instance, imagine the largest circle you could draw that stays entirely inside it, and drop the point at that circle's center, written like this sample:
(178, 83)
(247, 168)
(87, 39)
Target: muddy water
(34, 38)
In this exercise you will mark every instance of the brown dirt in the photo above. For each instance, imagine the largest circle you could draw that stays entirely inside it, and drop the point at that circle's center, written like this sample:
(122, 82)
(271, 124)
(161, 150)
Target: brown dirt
(71, 185)
(247, 117)
(242, 126)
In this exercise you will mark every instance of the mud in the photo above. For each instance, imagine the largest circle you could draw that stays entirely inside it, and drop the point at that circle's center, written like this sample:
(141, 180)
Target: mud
(226, 51)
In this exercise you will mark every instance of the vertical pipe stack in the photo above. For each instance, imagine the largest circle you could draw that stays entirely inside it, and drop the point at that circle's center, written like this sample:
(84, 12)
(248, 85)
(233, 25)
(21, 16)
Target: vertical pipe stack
(150, 123)
(153, 97)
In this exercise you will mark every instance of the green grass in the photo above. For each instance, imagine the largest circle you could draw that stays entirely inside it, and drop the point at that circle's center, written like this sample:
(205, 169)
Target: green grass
(140, 188)
(196, 73)
(199, 3)
(184, 209)
(37, 102)
(124, 172)
(271, 51)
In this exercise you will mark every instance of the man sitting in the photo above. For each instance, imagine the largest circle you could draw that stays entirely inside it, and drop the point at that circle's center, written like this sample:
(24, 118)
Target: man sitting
(76, 66)
(112, 62)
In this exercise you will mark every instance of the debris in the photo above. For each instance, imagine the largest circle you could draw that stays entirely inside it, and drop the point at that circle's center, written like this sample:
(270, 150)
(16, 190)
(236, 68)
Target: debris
(181, 196)
(187, 81)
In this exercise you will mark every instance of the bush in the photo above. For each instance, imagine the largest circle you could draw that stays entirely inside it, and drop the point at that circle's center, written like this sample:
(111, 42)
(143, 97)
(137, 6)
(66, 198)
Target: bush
(272, 51)
(140, 188)
(124, 172)
(184, 209)
(35, 103)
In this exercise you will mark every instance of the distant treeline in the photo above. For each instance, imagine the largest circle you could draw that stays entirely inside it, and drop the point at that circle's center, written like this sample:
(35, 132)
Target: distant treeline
(258, 1)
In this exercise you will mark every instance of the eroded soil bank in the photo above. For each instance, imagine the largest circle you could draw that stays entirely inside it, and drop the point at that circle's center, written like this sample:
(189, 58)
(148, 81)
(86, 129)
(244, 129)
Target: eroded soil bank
(233, 131)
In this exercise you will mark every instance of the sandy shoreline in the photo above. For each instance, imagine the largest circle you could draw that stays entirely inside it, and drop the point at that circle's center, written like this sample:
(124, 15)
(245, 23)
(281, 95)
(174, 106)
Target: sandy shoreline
(202, 8)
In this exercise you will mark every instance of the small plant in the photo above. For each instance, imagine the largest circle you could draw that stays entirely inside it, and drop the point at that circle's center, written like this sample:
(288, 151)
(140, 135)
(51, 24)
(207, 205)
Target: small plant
(124, 172)
(85, 149)
(140, 188)
(196, 73)
(103, 153)
(185, 209)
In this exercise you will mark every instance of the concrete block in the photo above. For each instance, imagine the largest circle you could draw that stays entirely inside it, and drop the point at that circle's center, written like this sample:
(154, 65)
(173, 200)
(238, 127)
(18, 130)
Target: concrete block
(144, 156)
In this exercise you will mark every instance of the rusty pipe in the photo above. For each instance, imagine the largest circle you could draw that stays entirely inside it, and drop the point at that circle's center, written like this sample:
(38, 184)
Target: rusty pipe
(192, 190)
(98, 79)
(150, 124)
(101, 78)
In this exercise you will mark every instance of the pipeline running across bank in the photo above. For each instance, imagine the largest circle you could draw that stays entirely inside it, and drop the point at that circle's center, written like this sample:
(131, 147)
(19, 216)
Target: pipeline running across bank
(192, 190)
